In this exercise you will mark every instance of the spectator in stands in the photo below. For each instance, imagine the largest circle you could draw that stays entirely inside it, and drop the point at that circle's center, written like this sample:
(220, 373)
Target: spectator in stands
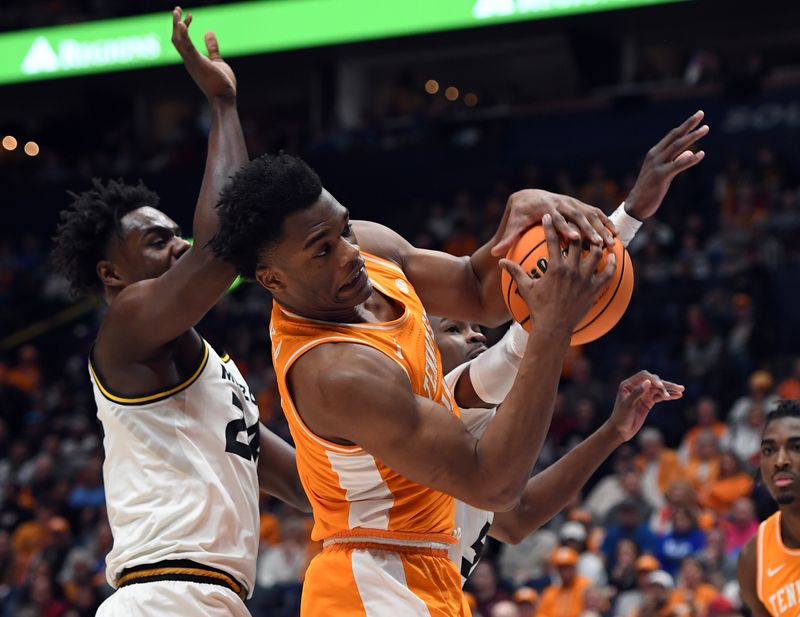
(685, 540)
(281, 568)
(789, 388)
(732, 482)
(706, 421)
(760, 391)
(679, 494)
(739, 525)
(657, 598)
(564, 599)
(630, 601)
(658, 465)
(610, 491)
(484, 586)
(744, 438)
(596, 602)
(590, 566)
(527, 600)
(703, 467)
(505, 608)
(623, 576)
(630, 527)
(692, 587)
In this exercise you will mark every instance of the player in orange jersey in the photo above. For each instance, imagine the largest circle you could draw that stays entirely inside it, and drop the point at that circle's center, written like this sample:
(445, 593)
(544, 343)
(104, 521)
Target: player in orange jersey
(769, 564)
(380, 448)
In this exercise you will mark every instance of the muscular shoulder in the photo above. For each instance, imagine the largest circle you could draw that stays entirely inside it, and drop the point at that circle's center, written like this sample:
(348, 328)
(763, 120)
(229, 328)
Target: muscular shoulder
(339, 369)
(381, 241)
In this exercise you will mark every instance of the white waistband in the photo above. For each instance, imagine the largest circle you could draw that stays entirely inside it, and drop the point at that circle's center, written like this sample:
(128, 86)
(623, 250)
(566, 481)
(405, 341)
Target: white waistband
(385, 541)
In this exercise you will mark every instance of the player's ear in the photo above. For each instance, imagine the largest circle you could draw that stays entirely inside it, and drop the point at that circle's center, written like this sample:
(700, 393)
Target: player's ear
(270, 278)
(109, 275)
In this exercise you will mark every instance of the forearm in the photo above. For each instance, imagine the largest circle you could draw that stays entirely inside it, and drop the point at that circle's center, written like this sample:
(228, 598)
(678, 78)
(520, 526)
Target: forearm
(486, 271)
(226, 154)
(549, 491)
(277, 471)
(511, 443)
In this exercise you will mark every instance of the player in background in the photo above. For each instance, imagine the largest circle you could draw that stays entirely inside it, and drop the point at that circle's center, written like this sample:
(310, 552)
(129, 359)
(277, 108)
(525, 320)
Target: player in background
(481, 378)
(185, 454)
(769, 564)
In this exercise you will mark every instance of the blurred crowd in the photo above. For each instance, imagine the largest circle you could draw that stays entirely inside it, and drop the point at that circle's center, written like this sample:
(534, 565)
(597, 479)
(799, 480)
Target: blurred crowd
(657, 531)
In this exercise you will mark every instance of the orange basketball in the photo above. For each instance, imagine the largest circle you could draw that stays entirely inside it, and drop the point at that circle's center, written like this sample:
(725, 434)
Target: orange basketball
(530, 252)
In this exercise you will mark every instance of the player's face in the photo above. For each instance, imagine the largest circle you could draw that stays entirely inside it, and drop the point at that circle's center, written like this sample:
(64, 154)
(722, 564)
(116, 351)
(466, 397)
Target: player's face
(458, 341)
(316, 268)
(780, 459)
(150, 245)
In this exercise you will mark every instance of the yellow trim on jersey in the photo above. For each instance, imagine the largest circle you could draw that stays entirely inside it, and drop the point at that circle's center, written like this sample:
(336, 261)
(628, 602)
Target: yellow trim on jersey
(150, 398)
(166, 572)
(226, 358)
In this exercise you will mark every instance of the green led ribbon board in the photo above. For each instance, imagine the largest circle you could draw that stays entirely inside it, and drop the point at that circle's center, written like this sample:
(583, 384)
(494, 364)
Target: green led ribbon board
(261, 27)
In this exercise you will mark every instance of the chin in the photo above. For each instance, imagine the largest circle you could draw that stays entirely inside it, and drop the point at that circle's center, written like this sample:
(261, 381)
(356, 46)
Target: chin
(784, 500)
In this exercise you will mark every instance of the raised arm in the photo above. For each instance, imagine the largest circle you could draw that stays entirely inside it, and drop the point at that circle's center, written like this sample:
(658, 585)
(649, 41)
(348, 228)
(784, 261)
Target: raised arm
(468, 288)
(363, 397)
(549, 491)
(148, 314)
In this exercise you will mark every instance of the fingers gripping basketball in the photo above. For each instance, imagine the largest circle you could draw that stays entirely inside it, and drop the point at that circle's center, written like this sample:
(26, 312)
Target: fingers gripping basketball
(531, 253)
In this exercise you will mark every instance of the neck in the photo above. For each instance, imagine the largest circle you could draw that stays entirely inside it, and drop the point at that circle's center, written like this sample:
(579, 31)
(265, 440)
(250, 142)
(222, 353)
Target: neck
(376, 308)
(790, 526)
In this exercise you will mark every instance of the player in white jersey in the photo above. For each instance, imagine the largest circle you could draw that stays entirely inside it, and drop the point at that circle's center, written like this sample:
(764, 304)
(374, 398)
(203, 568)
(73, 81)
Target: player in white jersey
(481, 378)
(185, 453)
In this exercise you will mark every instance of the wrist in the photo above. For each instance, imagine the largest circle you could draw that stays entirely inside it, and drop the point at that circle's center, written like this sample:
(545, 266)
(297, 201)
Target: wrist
(222, 103)
(612, 434)
(630, 209)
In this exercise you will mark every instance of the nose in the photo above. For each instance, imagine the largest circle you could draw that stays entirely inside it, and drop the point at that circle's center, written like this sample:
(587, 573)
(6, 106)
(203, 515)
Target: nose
(782, 459)
(476, 336)
(179, 246)
(349, 252)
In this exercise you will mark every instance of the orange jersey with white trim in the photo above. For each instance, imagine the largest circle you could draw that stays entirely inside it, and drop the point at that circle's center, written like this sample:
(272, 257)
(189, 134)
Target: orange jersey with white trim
(351, 492)
(778, 570)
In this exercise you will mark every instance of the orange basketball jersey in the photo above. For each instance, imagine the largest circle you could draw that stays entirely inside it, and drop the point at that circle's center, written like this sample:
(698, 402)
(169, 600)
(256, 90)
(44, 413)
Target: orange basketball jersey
(778, 570)
(353, 494)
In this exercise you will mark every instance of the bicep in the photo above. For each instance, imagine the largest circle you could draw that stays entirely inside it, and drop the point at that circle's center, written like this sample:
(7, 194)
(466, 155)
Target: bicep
(367, 400)
(747, 573)
(153, 312)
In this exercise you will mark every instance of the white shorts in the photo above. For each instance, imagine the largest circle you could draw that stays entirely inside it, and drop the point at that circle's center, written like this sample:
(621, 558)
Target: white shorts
(173, 599)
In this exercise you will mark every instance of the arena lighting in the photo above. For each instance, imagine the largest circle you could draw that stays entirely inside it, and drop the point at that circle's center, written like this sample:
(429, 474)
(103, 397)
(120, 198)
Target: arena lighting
(261, 26)
(470, 99)
(9, 142)
(31, 148)
(451, 93)
(431, 86)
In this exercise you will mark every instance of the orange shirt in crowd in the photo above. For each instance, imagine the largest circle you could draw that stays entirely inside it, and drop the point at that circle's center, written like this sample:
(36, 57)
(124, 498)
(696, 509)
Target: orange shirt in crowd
(690, 439)
(699, 598)
(691, 472)
(558, 601)
(669, 468)
(721, 494)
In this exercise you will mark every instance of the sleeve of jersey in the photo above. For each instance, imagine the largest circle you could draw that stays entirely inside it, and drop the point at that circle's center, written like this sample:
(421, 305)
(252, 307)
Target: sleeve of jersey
(493, 372)
(626, 225)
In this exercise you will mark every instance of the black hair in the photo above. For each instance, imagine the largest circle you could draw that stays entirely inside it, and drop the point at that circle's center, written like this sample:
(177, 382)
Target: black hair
(87, 225)
(254, 204)
(785, 409)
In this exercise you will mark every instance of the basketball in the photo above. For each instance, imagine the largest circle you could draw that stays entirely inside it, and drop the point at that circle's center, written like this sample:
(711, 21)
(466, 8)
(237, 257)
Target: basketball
(530, 252)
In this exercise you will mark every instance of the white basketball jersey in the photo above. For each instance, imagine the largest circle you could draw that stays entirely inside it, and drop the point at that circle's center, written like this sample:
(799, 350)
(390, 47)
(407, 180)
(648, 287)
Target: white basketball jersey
(472, 524)
(180, 472)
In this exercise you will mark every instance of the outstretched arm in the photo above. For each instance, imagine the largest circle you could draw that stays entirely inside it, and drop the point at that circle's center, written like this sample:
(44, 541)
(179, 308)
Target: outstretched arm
(149, 314)
(549, 491)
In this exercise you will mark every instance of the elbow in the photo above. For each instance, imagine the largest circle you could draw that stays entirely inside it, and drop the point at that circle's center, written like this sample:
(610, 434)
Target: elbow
(503, 497)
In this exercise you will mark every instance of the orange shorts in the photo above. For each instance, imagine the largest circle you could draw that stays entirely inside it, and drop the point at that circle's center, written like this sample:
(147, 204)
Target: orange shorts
(367, 582)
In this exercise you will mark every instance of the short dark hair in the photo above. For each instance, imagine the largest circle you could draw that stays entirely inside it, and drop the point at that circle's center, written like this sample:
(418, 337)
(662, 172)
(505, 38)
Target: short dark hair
(785, 409)
(254, 204)
(87, 225)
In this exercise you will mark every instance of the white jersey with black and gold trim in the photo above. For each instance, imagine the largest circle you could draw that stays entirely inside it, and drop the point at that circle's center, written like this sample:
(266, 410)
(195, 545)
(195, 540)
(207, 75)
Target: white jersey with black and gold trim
(180, 471)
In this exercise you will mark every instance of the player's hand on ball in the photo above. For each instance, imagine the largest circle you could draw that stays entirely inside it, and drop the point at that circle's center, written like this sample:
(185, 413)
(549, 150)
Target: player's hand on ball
(663, 162)
(572, 219)
(562, 297)
(636, 396)
(212, 74)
